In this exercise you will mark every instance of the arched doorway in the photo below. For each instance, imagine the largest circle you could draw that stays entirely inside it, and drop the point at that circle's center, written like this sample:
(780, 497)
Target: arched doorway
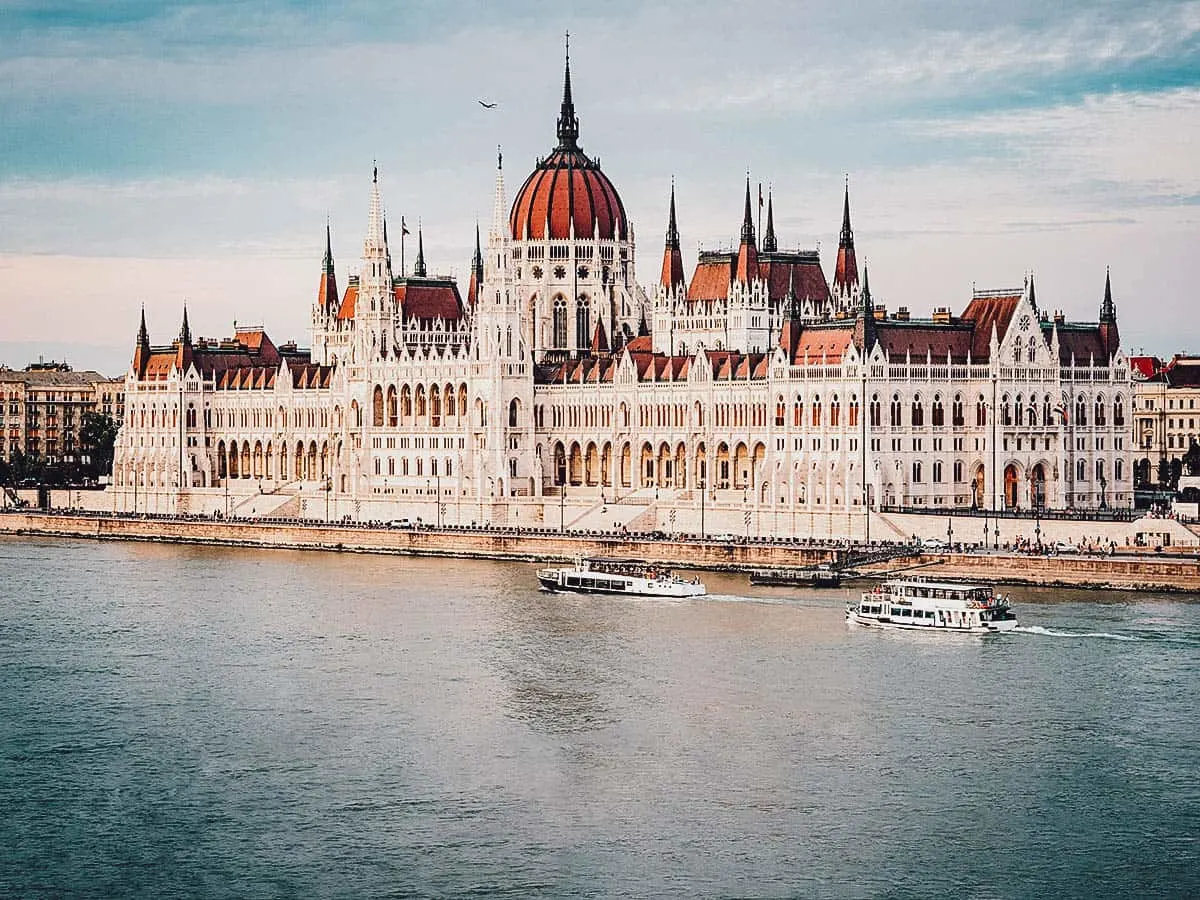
(977, 490)
(1010, 486)
(1037, 486)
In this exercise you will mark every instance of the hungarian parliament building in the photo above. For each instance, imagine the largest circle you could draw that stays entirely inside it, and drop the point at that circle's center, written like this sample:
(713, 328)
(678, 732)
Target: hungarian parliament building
(561, 393)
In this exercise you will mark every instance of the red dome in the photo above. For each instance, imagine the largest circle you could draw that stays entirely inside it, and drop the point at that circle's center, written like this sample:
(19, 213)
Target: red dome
(567, 187)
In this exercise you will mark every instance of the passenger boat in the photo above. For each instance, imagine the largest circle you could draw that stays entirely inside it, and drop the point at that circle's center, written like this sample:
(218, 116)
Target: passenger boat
(814, 576)
(595, 576)
(919, 604)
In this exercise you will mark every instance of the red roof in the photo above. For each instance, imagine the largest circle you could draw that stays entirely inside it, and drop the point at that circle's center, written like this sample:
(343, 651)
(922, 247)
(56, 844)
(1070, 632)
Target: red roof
(349, 301)
(567, 188)
(985, 310)
(921, 339)
(428, 299)
(817, 343)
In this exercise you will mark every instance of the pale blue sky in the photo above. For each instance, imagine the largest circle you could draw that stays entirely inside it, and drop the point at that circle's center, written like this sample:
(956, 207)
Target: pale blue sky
(152, 152)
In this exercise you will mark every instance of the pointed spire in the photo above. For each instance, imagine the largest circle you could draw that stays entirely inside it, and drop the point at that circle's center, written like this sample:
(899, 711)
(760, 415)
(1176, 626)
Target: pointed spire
(672, 268)
(327, 293)
(375, 239)
(747, 258)
(672, 225)
(419, 265)
(747, 218)
(1032, 294)
(185, 332)
(477, 259)
(327, 265)
(476, 281)
(868, 309)
(568, 124)
(143, 338)
(845, 273)
(847, 236)
(769, 245)
(791, 305)
(500, 208)
(1108, 309)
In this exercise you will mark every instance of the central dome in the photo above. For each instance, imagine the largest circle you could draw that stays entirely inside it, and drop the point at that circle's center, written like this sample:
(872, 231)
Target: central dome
(567, 195)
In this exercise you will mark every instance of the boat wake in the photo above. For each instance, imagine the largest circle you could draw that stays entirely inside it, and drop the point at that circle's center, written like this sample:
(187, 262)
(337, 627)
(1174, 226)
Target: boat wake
(1053, 632)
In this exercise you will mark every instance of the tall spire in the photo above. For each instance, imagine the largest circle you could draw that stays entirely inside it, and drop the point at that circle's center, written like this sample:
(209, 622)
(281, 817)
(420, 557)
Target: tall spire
(845, 274)
(867, 308)
(568, 124)
(327, 265)
(1032, 295)
(185, 332)
(747, 258)
(847, 236)
(672, 226)
(672, 268)
(500, 208)
(476, 281)
(419, 265)
(143, 338)
(375, 238)
(747, 218)
(769, 245)
(1108, 309)
(748, 253)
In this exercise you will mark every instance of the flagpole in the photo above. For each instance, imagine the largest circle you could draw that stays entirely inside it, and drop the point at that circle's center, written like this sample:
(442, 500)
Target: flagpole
(403, 232)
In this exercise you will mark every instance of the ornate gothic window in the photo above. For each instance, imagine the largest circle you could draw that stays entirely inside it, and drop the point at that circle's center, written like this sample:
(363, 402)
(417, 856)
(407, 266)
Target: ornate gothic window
(560, 323)
(582, 323)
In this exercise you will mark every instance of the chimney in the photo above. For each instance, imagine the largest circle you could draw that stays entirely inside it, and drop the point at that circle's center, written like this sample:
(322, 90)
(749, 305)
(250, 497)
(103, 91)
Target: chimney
(1059, 318)
(879, 311)
(902, 314)
(941, 315)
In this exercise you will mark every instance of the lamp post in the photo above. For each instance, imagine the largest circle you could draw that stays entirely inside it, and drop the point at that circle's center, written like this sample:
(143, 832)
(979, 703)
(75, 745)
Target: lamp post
(950, 532)
(1037, 527)
(439, 499)
(562, 509)
(703, 491)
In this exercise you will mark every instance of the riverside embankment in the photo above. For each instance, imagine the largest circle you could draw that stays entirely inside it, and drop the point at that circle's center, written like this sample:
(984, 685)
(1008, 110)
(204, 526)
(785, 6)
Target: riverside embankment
(1125, 572)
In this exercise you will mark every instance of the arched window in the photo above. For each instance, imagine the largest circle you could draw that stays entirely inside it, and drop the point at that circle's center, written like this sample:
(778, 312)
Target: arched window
(937, 471)
(835, 412)
(895, 411)
(956, 412)
(980, 411)
(513, 409)
(1119, 415)
(377, 407)
(876, 419)
(916, 472)
(1118, 469)
(391, 406)
(1081, 411)
(1005, 410)
(938, 414)
(1019, 410)
(780, 412)
(1101, 417)
(816, 412)
(853, 423)
(560, 323)
(918, 412)
(1081, 470)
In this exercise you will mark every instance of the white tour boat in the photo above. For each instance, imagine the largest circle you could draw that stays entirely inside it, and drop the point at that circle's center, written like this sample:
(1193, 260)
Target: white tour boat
(593, 576)
(917, 603)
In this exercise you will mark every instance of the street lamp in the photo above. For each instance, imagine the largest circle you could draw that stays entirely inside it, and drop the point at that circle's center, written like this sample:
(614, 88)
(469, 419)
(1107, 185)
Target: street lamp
(1037, 526)
(950, 532)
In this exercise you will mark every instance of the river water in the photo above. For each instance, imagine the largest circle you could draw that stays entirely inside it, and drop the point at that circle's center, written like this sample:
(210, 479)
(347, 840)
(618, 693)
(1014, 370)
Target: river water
(207, 722)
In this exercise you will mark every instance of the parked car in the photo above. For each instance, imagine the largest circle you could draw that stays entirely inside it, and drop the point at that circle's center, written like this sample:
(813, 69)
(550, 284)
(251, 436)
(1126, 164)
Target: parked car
(933, 544)
(400, 523)
(1064, 547)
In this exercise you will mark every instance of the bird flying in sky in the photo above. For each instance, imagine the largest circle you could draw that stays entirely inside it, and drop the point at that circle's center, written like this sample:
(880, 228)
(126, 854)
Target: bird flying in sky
(486, 105)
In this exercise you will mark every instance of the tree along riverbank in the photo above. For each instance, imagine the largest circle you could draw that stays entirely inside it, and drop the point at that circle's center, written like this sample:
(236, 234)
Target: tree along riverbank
(1125, 572)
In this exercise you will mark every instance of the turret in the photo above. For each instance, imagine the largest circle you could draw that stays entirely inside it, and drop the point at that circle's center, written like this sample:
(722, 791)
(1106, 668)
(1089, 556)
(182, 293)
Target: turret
(568, 122)
(327, 292)
(769, 245)
(747, 259)
(141, 353)
(845, 277)
(419, 266)
(672, 267)
(476, 272)
(1108, 319)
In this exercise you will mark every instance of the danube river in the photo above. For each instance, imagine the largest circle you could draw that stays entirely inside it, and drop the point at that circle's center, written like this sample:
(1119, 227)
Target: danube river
(206, 722)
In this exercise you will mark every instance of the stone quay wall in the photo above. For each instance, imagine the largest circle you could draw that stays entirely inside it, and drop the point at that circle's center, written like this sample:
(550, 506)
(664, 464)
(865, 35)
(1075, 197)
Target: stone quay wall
(473, 544)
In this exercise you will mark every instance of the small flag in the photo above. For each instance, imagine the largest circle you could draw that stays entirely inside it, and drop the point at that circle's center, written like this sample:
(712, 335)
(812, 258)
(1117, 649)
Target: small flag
(403, 228)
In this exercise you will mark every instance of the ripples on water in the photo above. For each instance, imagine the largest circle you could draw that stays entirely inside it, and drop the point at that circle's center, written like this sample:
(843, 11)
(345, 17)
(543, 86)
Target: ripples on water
(211, 722)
